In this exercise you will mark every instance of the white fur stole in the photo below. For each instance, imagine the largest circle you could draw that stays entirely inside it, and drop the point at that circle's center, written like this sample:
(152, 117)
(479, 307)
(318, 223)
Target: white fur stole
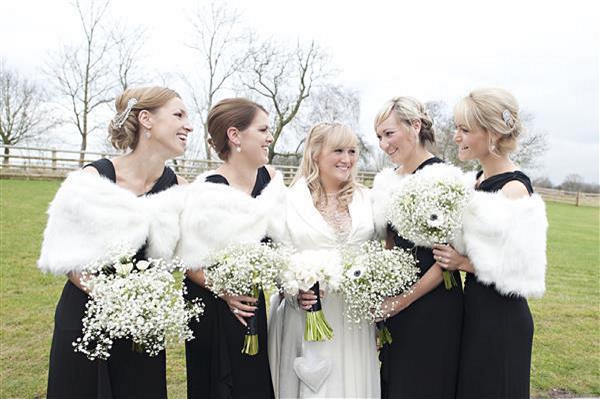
(89, 216)
(216, 215)
(505, 239)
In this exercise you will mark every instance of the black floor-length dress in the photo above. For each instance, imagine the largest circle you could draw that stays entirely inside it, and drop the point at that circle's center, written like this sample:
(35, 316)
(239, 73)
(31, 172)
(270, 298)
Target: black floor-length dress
(216, 366)
(497, 331)
(126, 374)
(422, 360)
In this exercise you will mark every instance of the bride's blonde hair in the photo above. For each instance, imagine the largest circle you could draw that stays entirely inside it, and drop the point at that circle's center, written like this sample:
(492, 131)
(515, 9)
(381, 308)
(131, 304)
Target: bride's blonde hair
(320, 136)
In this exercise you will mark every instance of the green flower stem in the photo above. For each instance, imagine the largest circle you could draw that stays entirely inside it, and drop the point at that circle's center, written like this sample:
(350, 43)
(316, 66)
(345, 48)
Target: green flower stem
(317, 328)
(251, 339)
(383, 334)
(449, 280)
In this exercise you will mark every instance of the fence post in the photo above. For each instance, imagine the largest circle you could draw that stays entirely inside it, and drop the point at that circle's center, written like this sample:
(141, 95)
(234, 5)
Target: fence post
(53, 158)
(577, 199)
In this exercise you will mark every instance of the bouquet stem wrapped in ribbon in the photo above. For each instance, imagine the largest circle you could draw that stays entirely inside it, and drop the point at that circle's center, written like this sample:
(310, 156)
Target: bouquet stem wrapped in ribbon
(317, 328)
(245, 269)
(313, 270)
(251, 338)
(383, 334)
(427, 207)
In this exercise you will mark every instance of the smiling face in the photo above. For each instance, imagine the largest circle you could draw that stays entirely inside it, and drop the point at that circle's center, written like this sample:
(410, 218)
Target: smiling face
(254, 141)
(398, 140)
(170, 126)
(473, 142)
(335, 163)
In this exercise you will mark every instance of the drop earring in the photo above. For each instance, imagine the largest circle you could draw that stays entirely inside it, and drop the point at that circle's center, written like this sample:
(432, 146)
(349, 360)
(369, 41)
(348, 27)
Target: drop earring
(147, 134)
(238, 149)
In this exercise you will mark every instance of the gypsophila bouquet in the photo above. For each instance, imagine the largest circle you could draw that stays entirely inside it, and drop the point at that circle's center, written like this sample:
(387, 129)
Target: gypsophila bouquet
(371, 274)
(308, 270)
(142, 301)
(427, 207)
(245, 269)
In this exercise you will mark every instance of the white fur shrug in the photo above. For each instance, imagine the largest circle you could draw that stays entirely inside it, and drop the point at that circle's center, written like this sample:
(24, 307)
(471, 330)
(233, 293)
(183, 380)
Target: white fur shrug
(90, 215)
(504, 238)
(215, 215)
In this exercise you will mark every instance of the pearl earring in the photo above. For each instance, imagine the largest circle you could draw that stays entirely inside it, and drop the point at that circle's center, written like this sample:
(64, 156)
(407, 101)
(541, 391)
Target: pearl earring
(147, 134)
(238, 149)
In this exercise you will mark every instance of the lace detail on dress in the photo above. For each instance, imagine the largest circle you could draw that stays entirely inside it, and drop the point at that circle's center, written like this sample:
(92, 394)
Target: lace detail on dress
(337, 216)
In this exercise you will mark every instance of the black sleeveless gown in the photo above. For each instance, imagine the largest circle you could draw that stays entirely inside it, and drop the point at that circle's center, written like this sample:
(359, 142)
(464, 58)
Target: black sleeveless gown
(126, 374)
(216, 366)
(497, 331)
(422, 360)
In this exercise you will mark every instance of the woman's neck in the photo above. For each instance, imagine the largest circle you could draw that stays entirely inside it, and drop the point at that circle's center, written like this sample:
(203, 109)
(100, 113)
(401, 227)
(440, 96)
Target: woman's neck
(239, 174)
(139, 170)
(419, 156)
(495, 164)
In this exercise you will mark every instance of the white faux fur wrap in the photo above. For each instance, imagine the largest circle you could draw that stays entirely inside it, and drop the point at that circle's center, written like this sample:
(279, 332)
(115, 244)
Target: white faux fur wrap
(215, 215)
(88, 216)
(505, 239)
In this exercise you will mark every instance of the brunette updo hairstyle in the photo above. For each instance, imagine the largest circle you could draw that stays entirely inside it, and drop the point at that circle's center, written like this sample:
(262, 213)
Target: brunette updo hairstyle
(232, 112)
(497, 112)
(124, 128)
(407, 110)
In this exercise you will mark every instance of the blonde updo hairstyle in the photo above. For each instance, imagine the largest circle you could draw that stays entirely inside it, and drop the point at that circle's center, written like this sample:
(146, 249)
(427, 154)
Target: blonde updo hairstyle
(407, 110)
(497, 112)
(231, 112)
(322, 135)
(124, 134)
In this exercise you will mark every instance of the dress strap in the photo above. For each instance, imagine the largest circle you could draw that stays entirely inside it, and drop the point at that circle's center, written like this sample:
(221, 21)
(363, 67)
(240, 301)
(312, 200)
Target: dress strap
(105, 167)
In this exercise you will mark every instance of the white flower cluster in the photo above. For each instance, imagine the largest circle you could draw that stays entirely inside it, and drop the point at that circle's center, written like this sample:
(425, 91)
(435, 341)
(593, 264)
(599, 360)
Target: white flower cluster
(236, 269)
(371, 274)
(305, 268)
(141, 301)
(427, 206)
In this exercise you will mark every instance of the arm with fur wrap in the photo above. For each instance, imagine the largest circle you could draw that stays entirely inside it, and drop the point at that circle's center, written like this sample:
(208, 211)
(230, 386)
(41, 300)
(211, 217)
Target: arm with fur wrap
(505, 240)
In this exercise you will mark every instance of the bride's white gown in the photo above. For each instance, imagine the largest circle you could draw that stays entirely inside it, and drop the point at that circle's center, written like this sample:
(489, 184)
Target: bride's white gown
(347, 365)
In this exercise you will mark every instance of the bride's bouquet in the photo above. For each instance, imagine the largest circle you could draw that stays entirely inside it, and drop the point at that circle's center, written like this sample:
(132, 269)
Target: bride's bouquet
(427, 207)
(309, 270)
(245, 269)
(142, 301)
(371, 274)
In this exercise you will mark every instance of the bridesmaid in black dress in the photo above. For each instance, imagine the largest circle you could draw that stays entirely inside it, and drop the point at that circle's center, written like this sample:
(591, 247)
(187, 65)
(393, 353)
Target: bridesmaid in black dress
(425, 325)
(153, 123)
(504, 233)
(216, 366)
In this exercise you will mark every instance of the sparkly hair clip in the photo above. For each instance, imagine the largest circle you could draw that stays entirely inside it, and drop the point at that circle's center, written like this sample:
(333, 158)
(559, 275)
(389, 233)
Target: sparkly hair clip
(508, 120)
(120, 119)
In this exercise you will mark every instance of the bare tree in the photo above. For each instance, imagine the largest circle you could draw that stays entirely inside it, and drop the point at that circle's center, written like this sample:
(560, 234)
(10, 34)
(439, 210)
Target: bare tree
(82, 74)
(128, 46)
(222, 48)
(23, 115)
(286, 79)
(328, 103)
(573, 182)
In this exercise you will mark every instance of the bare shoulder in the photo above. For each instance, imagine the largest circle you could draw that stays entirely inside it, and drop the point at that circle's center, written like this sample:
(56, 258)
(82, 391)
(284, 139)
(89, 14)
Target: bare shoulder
(91, 170)
(272, 171)
(515, 189)
(182, 181)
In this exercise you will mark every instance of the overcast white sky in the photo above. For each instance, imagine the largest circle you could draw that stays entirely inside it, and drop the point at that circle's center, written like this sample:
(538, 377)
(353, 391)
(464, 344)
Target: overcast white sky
(545, 53)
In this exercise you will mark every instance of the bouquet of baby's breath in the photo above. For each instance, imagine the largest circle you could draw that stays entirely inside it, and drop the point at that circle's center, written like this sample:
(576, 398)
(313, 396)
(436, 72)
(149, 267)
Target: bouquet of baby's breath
(245, 269)
(427, 207)
(141, 301)
(371, 274)
(307, 270)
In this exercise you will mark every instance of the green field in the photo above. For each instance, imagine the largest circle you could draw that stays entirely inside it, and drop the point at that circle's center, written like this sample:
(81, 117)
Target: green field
(566, 354)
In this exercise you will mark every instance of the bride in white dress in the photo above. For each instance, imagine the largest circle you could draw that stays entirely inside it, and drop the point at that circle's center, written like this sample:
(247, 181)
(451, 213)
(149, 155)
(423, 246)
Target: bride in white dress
(325, 209)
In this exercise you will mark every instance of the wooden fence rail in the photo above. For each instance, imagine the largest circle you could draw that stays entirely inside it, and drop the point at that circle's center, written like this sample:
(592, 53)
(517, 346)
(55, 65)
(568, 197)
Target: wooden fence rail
(52, 163)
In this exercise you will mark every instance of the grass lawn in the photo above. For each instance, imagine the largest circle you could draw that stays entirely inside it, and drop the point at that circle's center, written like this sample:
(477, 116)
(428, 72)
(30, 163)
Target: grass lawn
(566, 354)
